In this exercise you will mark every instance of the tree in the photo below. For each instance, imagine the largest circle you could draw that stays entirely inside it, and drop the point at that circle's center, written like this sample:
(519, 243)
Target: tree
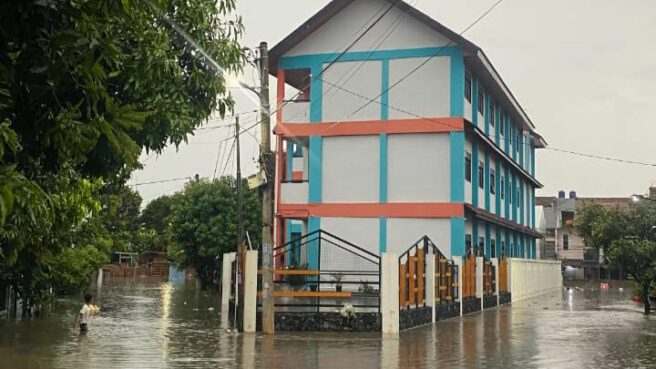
(204, 224)
(85, 86)
(156, 217)
(627, 238)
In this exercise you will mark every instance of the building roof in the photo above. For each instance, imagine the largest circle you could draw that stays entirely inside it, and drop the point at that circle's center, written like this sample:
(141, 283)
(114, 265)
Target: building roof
(475, 58)
(549, 201)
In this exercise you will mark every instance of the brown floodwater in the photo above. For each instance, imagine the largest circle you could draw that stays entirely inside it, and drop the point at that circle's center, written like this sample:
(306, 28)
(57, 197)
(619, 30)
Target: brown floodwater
(146, 324)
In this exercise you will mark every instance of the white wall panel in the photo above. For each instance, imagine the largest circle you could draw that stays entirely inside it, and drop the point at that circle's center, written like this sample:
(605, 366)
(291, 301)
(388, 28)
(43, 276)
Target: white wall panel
(426, 92)
(361, 78)
(362, 232)
(403, 232)
(419, 168)
(351, 167)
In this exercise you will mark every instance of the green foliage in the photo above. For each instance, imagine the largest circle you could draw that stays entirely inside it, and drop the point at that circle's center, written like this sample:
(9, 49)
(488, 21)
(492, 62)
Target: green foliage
(70, 269)
(204, 223)
(85, 87)
(156, 217)
(626, 235)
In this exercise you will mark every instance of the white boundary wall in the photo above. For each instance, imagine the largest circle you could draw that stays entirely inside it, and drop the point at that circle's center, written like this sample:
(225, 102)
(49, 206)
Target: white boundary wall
(529, 278)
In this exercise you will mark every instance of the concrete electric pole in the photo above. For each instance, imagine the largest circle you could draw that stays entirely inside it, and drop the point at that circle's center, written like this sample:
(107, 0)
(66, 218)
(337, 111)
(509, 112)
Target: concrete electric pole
(266, 160)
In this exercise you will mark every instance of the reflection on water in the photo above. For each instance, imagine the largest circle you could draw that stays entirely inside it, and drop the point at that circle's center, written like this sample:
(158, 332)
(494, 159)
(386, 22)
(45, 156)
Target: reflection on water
(152, 325)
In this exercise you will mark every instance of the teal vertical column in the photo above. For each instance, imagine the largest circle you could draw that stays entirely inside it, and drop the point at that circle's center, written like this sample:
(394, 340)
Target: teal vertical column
(290, 160)
(315, 142)
(474, 181)
(457, 153)
(475, 101)
(506, 204)
(457, 83)
(384, 94)
(486, 109)
(486, 190)
(382, 234)
(521, 149)
(457, 236)
(488, 240)
(521, 201)
(514, 195)
(314, 224)
(532, 160)
(475, 232)
(497, 179)
(498, 242)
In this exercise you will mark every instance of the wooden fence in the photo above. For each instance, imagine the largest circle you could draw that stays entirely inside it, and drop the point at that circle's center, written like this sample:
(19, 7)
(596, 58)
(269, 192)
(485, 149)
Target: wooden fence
(412, 278)
(489, 278)
(447, 279)
(469, 277)
(503, 275)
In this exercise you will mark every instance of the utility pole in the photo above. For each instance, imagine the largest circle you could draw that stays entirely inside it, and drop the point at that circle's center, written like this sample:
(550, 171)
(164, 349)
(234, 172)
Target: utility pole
(266, 160)
(240, 195)
(239, 306)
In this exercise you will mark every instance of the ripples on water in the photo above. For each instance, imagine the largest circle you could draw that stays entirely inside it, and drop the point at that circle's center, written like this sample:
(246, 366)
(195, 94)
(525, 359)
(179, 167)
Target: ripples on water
(152, 325)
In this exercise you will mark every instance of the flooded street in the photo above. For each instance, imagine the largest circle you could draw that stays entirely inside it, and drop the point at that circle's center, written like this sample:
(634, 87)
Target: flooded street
(153, 325)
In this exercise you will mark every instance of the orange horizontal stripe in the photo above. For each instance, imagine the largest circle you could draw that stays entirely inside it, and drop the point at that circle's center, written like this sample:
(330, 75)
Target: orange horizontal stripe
(392, 210)
(297, 176)
(421, 125)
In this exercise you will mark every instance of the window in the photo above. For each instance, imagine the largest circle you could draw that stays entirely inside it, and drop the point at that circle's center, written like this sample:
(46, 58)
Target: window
(481, 174)
(517, 142)
(493, 248)
(492, 115)
(502, 124)
(510, 195)
(297, 150)
(565, 242)
(493, 185)
(517, 198)
(481, 246)
(468, 243)
(503, 188)
(468, 167)
(503, 248)
(481, 101)
(468, 86)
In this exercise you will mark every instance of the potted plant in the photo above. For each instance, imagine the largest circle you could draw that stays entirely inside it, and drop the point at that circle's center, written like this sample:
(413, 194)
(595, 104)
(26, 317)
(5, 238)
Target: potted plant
(347, 312)
(337, 279)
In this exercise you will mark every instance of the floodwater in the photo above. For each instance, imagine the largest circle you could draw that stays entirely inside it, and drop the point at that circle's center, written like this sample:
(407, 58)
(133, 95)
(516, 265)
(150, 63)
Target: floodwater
(152, 325)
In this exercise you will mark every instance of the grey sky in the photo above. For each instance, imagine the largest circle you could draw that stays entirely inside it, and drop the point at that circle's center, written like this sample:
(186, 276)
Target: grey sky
(584, 71)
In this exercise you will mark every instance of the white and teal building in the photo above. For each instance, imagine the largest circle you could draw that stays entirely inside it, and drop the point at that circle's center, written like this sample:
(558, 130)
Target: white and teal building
(401, 131)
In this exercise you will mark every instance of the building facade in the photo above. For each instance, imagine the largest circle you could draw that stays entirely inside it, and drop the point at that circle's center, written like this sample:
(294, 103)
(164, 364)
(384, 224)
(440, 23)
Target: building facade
(391, 127)
(556, 221)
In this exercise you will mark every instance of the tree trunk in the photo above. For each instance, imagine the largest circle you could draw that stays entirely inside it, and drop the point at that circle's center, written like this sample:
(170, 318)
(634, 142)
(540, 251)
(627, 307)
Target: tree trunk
(645, 296)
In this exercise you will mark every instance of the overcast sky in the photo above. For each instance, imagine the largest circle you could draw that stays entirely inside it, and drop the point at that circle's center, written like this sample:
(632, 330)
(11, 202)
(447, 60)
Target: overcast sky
(584, 71)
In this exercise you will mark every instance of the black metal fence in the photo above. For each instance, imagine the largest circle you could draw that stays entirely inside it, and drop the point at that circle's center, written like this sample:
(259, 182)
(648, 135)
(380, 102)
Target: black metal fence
(322, 272)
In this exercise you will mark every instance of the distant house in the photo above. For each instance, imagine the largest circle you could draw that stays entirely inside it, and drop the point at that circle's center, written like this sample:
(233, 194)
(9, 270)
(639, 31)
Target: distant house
(556, 217)
(396, 128)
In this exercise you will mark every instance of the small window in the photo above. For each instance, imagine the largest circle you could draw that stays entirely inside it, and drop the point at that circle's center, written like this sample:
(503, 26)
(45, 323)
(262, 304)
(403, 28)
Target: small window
(481, 174)
(502, 124)
(468, 243)
(468, 167)
(503, 188)
(297, 150)
(493, 248)
(517, 198)
(492, 115)
(481, 246)
(517, 142)
(565, 242)
(503, 248)
(493, 186)
(468, 86)
(481, 101)
(510, 197)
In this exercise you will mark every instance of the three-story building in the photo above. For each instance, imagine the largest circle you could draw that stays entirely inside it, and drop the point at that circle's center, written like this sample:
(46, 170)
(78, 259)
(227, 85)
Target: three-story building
(390, 126)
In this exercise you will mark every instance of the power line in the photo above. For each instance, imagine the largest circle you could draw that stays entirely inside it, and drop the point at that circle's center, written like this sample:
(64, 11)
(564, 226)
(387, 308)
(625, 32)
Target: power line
(162, 181)
(607, 158)
(437, 53)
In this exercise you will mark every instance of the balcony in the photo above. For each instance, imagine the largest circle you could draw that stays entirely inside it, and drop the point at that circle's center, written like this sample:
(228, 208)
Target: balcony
(294, 192)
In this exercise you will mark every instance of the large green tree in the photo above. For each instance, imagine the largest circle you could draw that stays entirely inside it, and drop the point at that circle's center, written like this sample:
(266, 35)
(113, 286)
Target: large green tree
(85, 86)
(204, 224)
(628, 238)
(155, 222)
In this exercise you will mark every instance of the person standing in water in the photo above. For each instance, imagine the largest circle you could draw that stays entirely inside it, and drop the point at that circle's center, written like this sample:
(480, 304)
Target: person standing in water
(86, 312)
